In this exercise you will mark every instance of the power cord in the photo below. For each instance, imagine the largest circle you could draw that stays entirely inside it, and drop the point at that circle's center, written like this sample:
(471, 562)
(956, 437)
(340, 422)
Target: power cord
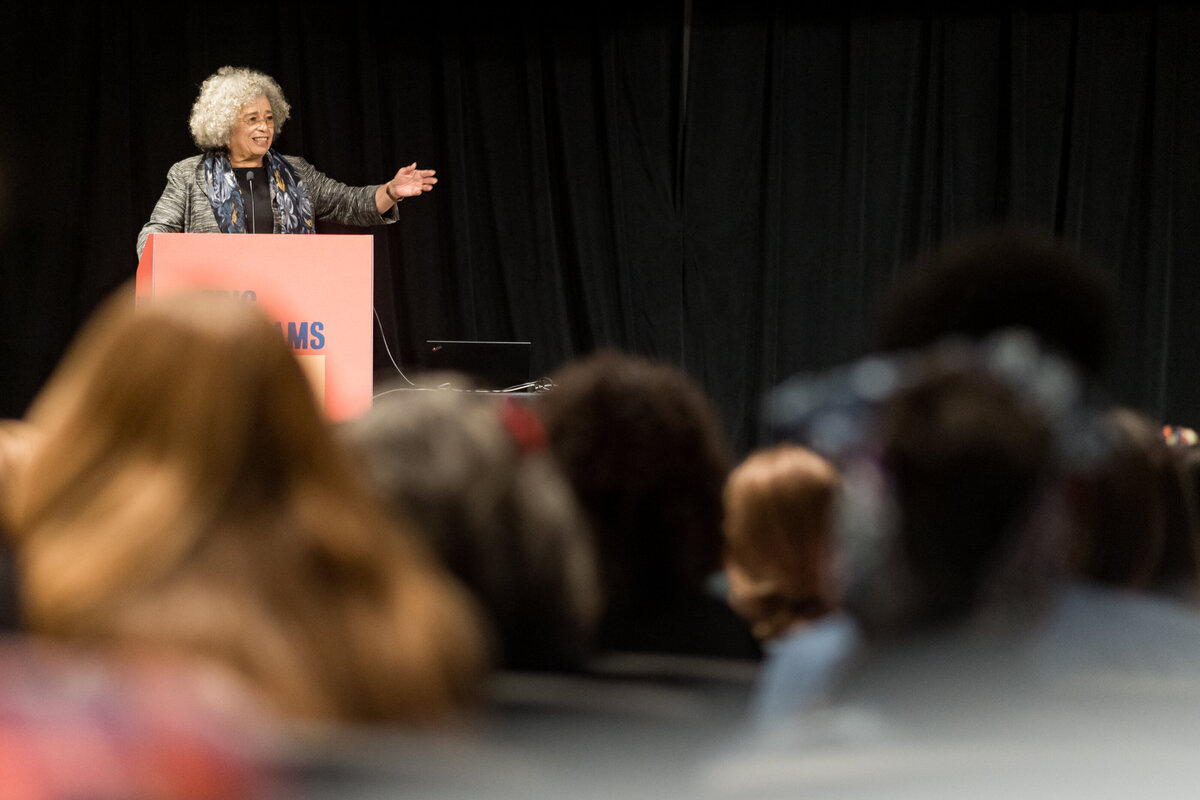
(538, 386)
(383, 336)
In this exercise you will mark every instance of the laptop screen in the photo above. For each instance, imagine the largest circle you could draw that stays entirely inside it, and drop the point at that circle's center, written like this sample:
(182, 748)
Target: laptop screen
(496, 365)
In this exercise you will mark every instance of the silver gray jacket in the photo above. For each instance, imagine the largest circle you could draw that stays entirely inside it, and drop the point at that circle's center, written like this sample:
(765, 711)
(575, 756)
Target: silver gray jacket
(184, 207)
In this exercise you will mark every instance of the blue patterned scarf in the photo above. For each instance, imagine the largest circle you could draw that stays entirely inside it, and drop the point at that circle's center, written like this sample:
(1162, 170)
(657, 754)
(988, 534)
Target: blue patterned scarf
(290, 201)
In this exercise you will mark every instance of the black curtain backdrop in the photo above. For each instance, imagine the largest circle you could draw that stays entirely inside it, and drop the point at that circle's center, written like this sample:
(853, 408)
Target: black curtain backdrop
(726, 187)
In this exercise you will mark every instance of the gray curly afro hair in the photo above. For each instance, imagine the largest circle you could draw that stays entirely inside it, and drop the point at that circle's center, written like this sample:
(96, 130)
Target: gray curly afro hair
(223, 94)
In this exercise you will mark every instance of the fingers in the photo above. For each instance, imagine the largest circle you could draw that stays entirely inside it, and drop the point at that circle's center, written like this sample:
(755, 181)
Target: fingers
(411, 181)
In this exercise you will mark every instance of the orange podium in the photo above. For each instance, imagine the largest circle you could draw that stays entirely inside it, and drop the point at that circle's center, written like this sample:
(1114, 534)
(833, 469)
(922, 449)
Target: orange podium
(318, 289)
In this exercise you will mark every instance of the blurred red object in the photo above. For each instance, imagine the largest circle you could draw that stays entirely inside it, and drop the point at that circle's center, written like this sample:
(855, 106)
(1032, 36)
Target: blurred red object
(1179, 435)
(76, 726)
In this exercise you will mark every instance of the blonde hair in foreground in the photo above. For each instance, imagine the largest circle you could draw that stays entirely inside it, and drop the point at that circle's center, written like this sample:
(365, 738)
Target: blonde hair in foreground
(188, 498)
(17, 442)
(779, 538)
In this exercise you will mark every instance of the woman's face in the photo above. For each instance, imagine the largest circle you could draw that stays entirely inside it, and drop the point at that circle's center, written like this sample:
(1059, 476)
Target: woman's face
(252, 133)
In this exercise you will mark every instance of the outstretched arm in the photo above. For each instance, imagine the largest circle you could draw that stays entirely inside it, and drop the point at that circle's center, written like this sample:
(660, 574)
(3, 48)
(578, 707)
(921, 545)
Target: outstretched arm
(408, 182)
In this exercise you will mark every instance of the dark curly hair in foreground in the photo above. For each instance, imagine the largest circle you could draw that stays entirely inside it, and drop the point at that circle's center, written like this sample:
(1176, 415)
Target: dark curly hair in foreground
(999, 278)
(643, 447)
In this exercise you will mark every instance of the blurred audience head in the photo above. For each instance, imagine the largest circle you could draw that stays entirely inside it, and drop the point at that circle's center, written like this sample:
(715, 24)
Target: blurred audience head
(779, 538)
(952, 461)
(17, 440)
(472, 471)
(998, 278)
(188, 498)
(1139, 527)
(966, 463)
(643, 448)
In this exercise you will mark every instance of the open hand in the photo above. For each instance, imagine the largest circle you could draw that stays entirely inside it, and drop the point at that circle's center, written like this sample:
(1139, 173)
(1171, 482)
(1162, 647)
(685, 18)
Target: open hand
(410, 182)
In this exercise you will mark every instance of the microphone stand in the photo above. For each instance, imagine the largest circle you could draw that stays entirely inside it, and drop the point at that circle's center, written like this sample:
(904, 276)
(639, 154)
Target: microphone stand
(250, 179)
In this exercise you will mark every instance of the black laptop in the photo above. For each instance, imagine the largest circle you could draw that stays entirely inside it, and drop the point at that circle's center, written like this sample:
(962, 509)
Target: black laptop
(495, 365)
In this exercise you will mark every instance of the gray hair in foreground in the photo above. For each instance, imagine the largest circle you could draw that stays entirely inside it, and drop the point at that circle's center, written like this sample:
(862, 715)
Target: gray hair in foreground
(223, 94)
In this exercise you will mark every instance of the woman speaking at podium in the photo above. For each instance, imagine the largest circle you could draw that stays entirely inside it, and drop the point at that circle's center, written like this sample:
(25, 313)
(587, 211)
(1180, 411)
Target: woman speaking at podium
(239, 184)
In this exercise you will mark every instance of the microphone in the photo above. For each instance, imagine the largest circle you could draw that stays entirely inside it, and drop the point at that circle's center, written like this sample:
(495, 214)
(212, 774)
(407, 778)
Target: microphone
(250, 178)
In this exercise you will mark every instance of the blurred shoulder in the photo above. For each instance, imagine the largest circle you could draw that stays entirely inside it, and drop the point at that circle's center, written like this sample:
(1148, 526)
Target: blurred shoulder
(183, 171)
(188, 164)
(298, 163)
